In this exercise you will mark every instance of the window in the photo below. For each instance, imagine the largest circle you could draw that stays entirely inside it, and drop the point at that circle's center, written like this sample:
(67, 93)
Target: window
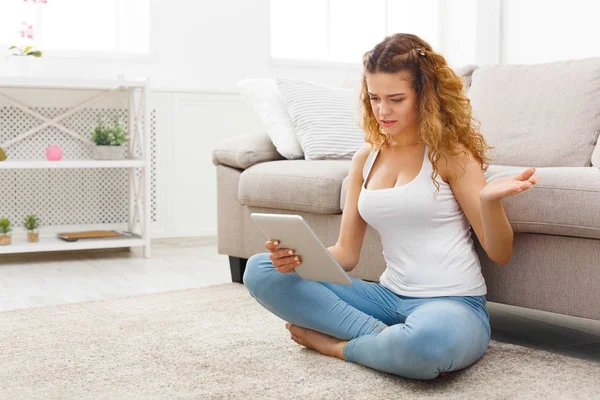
(107, 26)
(342, 30)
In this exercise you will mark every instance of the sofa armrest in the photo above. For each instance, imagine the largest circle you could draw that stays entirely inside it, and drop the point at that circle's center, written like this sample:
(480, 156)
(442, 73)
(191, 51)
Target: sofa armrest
(243, 151)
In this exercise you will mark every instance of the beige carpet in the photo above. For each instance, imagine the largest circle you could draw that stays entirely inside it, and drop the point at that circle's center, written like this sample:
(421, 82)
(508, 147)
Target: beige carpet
(217, 342)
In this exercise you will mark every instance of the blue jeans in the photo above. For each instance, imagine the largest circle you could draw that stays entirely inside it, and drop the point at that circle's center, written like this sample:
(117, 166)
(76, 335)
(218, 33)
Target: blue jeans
(426, 336)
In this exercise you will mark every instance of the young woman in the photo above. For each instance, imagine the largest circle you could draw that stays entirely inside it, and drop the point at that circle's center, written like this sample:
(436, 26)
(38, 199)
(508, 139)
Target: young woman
(419, 182)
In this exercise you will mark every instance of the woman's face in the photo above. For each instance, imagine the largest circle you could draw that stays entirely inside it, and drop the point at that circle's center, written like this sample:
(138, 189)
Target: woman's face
(393, 101)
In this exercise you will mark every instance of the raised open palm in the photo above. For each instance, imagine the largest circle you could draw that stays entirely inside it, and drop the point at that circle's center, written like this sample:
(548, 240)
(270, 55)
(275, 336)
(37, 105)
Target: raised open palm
(509, 185)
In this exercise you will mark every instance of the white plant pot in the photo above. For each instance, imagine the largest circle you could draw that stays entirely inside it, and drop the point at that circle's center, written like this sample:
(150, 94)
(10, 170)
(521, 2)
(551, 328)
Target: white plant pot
(108, 152)
(23, 66)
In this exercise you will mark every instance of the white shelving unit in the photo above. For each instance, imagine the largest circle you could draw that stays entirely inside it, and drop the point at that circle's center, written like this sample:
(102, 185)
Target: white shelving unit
(138, 190)
(133, 163)
(50, 242)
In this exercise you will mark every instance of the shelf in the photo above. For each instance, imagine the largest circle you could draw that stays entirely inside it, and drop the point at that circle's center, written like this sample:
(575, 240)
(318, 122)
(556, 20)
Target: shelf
(137, 187)
(33, 164)
(62, 83)
(49, 242)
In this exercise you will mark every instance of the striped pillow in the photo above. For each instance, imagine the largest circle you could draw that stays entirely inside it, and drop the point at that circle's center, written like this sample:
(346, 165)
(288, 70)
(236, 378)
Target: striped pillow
(326, 119)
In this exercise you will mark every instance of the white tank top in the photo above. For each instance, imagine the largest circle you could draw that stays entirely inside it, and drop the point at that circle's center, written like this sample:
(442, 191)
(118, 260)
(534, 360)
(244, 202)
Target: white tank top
(426, 242)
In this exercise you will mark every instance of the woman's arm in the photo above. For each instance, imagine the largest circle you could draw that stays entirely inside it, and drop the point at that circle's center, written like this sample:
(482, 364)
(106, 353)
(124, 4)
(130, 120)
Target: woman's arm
(481, 202)
(497, 231)
(346, 259)
(353, 228)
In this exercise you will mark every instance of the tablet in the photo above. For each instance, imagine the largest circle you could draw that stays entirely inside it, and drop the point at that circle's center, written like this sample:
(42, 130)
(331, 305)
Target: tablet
(293, 232)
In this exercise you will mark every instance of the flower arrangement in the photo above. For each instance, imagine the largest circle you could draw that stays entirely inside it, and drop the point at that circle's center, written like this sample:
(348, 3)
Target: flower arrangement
(26, 32)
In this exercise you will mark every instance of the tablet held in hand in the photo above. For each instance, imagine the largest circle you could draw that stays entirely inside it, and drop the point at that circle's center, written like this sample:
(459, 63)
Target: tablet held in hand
(292, 231)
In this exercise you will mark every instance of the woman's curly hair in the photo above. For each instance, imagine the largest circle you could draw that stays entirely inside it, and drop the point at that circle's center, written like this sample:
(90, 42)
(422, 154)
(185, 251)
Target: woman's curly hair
(445, 116)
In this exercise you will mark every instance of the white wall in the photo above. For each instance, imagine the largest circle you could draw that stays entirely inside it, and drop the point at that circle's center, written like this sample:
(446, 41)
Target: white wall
(537, 31)
(222, 42)
(459, 32)
(189, 126)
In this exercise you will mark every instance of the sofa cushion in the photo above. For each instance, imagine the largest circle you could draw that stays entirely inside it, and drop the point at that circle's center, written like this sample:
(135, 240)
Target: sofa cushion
(542, 115)
(297, 185)
(565, 202)
(242, 151)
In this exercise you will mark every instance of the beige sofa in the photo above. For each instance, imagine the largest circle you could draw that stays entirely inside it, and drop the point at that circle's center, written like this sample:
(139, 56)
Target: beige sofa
(546, 115)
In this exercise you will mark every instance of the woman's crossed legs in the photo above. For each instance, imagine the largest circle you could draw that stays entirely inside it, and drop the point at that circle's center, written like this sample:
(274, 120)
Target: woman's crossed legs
(424, 336)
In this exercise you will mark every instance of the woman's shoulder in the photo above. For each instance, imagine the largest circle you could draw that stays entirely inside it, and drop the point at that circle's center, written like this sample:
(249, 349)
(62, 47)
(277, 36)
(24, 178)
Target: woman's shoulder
(360, 158)
(362, 154)
(453, 163)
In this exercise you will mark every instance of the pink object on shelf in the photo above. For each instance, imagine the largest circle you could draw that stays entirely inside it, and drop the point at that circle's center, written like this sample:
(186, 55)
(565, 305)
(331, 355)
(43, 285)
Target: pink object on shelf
(54, 153)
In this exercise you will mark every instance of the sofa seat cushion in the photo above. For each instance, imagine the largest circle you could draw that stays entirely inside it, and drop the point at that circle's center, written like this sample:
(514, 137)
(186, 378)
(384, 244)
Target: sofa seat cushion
(565, 202)
(297, 185)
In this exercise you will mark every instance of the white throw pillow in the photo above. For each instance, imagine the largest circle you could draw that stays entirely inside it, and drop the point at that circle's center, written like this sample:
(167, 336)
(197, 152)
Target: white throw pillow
(263, 96)
(326, 119)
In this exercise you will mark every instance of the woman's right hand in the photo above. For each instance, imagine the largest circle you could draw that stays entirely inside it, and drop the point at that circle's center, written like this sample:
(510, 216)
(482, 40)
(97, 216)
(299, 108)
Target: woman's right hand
(284, 260)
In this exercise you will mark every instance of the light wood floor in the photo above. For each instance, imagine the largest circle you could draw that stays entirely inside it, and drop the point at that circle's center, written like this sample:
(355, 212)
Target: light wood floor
(42, 279)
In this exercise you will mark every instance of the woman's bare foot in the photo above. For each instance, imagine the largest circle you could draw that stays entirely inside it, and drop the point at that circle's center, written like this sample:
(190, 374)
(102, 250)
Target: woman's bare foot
(324, 344)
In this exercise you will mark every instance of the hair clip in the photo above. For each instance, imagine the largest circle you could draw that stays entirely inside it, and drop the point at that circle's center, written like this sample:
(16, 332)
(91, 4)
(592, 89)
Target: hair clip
(420, 51)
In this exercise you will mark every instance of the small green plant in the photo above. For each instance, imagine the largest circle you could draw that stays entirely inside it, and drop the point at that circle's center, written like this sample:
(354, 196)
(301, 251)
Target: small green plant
(5, 226)
(31, 222)
(105, 134)
(25, 51)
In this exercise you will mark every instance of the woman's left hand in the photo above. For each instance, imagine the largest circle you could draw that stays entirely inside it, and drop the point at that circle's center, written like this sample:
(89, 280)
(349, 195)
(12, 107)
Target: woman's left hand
(509, 186)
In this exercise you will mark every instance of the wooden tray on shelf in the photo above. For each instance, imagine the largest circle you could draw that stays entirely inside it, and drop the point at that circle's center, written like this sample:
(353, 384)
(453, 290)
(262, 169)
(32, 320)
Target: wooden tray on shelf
(99, 234)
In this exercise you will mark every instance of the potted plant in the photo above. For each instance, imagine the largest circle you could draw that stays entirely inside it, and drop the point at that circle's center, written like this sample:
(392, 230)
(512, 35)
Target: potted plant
(20, 60)
(26, 33)
(5, 228)
(108, 139)
(32, 224)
